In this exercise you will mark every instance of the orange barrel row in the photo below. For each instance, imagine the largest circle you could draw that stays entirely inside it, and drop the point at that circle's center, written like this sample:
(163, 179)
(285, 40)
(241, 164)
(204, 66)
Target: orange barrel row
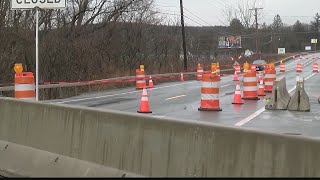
(269, 77)
(315, 68)
(299, 67)
(24, 86)
(140, 79)
(210, 93)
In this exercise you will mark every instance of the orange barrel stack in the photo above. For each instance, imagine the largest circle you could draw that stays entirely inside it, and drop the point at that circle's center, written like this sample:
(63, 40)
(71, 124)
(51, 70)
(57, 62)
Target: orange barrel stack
(140, 78)
(269, 77)
(299, 67)
(315, 67)
(199, 72)
(250, 90)
(282, 69)
(210, 93)
(24, 86)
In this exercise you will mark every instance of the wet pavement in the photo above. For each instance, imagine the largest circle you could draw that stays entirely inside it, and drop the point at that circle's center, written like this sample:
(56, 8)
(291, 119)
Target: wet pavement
(182, 100)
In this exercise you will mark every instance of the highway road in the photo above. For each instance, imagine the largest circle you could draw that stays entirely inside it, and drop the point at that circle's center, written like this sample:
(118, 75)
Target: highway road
(182, 100)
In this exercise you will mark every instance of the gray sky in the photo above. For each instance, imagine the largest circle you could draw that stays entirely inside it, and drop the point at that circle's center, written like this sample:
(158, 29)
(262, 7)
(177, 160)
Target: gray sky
(211, 11)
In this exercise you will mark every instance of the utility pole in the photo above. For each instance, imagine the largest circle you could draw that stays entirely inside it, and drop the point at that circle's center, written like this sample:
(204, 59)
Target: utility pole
(185, 65)
(256, 18)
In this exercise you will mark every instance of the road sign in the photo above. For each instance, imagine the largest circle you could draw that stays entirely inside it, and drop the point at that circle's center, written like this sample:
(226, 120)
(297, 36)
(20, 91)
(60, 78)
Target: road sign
(314, 41)
(281, 50)
(42, 4)
(308, 48)
(37, 4)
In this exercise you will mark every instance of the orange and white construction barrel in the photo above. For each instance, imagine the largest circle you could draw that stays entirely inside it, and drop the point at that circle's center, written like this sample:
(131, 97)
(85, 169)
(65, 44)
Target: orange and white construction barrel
(210, 93)
(269, 77)
(299, 67)
(250, 89)
(315, 68)
(199, 72)
(140, 79)
(24, 86)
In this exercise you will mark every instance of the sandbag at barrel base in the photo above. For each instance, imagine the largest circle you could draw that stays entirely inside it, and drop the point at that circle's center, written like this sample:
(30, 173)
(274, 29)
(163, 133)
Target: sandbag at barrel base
(300, 100)
(280, 97)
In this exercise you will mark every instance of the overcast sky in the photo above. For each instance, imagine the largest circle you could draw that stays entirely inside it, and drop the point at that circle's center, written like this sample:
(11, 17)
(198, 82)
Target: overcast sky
(211, 11)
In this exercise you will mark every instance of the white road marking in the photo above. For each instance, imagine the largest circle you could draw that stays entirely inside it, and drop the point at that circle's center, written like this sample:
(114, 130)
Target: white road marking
(110, 95)
(255, 114)
(226, 85)
(175, 97)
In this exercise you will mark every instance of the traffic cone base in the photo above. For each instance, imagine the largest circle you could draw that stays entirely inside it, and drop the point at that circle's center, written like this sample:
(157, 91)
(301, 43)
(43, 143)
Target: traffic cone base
(254, 98)
(237, 103)
(205, 109)
(146, 112)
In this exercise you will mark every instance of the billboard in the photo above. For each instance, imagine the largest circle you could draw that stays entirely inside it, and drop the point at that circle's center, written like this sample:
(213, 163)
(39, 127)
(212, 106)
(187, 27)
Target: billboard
(229, 42)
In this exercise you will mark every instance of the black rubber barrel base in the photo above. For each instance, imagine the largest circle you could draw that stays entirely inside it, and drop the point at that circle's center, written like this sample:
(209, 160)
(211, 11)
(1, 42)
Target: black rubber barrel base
(251, 98)
(204, 109)
(237, 103)
(144, 112)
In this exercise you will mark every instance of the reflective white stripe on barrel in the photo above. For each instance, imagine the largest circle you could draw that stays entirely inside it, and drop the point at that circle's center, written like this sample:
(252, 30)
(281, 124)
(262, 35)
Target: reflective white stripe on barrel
(249, 79)
(250, 88)
(270, 76)
(24, 87)
(210, 84)
(209, 96)
(268, 83)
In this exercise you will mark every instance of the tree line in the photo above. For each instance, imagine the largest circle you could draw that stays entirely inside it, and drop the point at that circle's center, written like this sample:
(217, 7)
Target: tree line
(102, 39)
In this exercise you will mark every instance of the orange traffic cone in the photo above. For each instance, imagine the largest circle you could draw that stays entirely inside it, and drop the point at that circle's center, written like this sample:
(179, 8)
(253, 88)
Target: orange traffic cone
(181, 77)
(237, 95)
(150, 82)
(235, 76)
(144, 103)
(261, 89)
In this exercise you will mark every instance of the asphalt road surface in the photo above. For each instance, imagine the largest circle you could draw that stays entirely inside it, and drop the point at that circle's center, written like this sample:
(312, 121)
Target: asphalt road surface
(182, 100)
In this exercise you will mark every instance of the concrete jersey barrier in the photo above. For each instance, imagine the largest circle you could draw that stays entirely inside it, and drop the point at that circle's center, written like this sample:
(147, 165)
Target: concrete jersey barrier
(280, 97)
(155, 147)
(300, 99)
(22, 161)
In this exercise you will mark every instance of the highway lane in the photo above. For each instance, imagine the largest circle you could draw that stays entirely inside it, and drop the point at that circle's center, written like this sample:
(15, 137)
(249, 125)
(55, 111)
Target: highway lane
(182, 99)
